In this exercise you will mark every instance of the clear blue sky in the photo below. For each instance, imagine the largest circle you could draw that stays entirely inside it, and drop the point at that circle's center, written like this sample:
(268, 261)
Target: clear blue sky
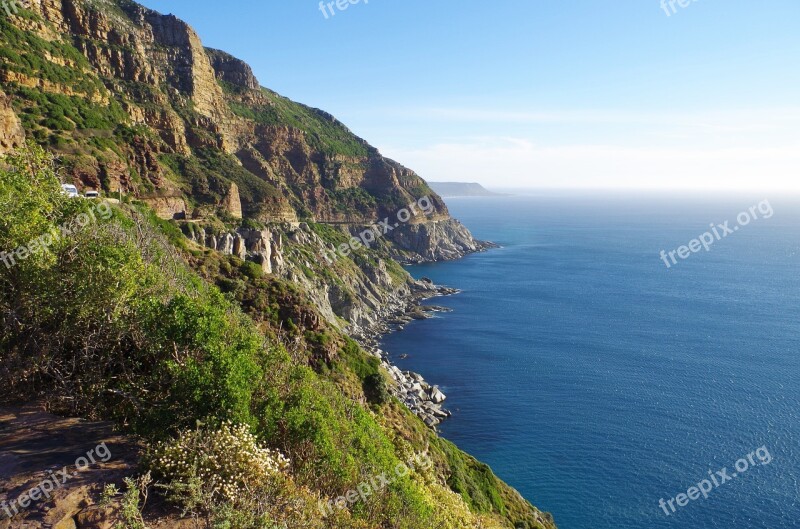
(577, 93)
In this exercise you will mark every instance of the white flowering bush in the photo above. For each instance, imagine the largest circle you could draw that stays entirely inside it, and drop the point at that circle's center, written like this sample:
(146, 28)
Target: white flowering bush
(223, 465)
(224, 478)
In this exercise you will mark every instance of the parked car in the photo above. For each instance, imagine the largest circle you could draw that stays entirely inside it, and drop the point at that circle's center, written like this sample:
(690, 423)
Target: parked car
(70, 190)
(91, 194)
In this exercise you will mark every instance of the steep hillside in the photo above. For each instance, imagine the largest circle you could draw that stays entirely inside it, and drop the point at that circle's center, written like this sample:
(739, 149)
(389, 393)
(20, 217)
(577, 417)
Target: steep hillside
(133, 102)
(217, 301)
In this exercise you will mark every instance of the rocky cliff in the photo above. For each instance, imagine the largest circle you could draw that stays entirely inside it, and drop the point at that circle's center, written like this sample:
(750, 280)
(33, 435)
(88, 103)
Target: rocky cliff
(189, 129)
(11, 132)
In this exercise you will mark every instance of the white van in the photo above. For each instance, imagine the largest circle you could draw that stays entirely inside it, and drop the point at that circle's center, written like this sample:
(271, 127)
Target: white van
(70, 190)
(91, 194)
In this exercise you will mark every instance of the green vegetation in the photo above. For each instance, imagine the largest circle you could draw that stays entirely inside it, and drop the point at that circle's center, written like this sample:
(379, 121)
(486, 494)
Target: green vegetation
(352, 199)
(265, 115)
(110, 323)
(205, 178)
(65, 113)
(73, 98)
(376, 390)
(323, 131)
(25, 53)
(14, 38)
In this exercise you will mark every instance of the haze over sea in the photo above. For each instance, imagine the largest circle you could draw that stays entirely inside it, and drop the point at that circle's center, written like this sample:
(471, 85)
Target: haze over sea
(597, 381)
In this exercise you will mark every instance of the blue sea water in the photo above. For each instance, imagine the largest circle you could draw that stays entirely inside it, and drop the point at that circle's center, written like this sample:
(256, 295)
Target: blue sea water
(597, 381)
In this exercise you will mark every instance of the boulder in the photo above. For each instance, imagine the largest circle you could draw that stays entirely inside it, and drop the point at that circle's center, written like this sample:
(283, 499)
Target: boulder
(437, 396)
(430, 421)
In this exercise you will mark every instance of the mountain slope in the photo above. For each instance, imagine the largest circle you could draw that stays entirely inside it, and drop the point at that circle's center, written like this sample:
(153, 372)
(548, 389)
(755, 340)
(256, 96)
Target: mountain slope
(125, 94)
(233, 301)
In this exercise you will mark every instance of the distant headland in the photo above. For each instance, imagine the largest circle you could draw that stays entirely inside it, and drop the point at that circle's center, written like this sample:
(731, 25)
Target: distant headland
(461, 189)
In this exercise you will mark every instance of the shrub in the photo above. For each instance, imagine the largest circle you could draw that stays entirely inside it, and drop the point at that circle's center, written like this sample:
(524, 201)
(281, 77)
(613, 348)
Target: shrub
(252, 270)
(375, 389)
(252, 224)
(222, 465)
(226, 477)
(31, 201)
(207, 358)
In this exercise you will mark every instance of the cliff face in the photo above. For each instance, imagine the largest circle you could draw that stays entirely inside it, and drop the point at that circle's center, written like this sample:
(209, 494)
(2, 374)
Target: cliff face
(179, 125)
(232, 70)
(364, 294)
(435, 241)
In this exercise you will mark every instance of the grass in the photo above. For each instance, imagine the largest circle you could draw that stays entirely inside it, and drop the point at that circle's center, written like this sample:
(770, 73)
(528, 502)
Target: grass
(323, 131)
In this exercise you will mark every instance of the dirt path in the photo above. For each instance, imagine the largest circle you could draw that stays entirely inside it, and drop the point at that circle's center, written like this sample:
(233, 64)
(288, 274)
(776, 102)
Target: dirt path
(52, 469)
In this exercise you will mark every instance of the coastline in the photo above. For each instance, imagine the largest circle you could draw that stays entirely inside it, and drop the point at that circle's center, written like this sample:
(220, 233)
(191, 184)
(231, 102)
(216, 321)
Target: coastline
(425, 400)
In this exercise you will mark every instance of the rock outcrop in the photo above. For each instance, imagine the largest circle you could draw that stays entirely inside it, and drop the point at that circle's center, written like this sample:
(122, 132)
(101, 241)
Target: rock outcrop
(442, 240)
(264, 247)
(188, 67)
(232, 70)
(232, 203)
(419, 396)
(12, 134)
(167, 207)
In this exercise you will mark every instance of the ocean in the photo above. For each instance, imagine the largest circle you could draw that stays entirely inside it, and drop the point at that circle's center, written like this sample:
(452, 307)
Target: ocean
(597, 381)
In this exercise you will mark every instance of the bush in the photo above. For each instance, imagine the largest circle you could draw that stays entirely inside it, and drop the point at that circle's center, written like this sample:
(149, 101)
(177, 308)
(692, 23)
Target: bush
(206, 356)
(225, 476)
(375, 389)
(252, 270)
(223, 464)
(107, 321)
(31, 201)
(252, 224)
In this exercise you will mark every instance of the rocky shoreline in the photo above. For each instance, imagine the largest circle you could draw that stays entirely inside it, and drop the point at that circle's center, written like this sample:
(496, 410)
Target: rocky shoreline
(426, 401)
(271, 248)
